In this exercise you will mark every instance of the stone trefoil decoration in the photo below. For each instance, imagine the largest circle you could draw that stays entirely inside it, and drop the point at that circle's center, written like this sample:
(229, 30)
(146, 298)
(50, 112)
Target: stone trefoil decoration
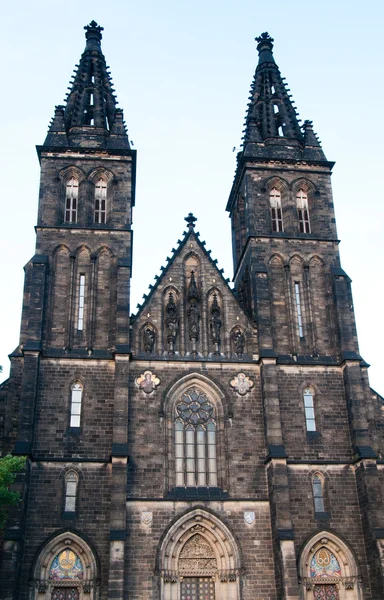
(147, 382)
(171, 322)
(215, 324)
(241, 384)
(193, 313)
(146, 517)
(238, 342)
(149, 339)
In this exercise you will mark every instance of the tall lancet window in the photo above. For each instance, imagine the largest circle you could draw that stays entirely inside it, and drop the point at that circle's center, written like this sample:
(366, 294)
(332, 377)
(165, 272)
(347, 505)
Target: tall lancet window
(276, 213)
(101, 201)
(76, 400)
(302, 209)
(71, 481)
(71, 198)
(195, 440)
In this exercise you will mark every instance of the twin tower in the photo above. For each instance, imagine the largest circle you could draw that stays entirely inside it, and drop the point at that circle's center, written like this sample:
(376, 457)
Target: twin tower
(222, 443)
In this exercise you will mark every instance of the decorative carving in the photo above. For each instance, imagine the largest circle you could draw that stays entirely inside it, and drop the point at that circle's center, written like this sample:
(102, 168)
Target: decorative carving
(225, 576)
(171, 321)
(87, 587)
(194, 408)
(241, 384)
(249, 517)
(146, 517)
(197, 555)
(170, 577)
(193, 312)
(149, 339)
(42, 587)
(215, 323)
(238, 342)
(147, 382)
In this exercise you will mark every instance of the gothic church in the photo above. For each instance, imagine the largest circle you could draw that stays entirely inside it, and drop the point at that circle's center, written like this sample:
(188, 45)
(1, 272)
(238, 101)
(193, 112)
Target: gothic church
(221, 443)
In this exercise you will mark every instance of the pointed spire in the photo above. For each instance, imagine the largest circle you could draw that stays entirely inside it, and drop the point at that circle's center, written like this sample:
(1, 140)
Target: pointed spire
(271, 113)
(91, 117)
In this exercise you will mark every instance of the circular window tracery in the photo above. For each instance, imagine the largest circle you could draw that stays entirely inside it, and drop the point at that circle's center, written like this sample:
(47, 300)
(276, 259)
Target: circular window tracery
(194, 407)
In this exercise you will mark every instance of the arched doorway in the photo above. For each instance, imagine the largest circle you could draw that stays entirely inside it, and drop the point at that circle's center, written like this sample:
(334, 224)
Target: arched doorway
(199, 559)
(328, 570)
(65, 569)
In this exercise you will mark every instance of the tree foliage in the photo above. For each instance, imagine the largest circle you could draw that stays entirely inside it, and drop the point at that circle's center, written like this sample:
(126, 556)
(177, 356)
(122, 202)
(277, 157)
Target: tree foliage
(9, 466)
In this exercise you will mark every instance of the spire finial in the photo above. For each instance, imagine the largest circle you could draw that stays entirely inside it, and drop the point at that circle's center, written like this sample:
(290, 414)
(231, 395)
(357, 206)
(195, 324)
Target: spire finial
(264, 47)
(190, 220)
(93, 34)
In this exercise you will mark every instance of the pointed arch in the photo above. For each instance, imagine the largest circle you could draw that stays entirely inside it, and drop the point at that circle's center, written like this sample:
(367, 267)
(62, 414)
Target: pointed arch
(194, 410)
(72, 171)
(65, 561)
(100, 173)
(327, 560)
(199, 545)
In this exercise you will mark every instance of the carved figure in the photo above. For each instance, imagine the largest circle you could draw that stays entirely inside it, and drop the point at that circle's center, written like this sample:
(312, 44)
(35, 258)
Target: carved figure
(241, 384)
(171, 320)
(193, 321)
(215, 322)
(149, 339)
(238, 342)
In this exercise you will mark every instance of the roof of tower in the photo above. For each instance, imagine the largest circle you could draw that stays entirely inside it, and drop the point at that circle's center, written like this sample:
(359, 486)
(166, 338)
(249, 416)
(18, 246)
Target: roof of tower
(272, 123)
(90, 116)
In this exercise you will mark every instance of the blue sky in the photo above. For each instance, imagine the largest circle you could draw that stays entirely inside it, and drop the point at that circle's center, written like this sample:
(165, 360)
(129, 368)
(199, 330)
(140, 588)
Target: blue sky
(182, 73)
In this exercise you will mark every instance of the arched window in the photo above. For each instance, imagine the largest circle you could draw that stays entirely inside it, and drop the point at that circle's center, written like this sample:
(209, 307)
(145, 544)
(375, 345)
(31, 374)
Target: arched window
(318, 493)
(302, 209)
(71, 481)
(309, 410)
(71, 197)
(100, 201)
(276, 214)
(195, 440)
(76, 398)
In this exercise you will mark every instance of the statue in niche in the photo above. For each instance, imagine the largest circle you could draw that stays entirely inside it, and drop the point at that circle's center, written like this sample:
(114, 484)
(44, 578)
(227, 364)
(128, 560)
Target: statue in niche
(238, 342)
(193, 312)
(171, 321)
(149, 339)
(215, 323)
(193, 321)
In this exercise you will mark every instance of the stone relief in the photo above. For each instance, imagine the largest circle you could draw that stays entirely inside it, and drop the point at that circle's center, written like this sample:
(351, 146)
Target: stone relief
(238, 342)
(249, 517)
(147, 382)
(149, 339)
(241, 383)
(215, 323)
(171, 321)
(146, 517)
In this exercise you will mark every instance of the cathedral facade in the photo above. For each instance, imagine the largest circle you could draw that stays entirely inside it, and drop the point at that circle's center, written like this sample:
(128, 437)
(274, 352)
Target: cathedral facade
(222, 443)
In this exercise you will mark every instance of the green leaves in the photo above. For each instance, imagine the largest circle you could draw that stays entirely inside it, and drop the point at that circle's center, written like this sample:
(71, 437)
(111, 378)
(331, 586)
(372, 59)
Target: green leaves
(9, 467)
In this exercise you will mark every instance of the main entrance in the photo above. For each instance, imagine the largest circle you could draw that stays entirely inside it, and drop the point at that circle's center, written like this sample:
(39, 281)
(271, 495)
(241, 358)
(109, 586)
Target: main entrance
(198, 588)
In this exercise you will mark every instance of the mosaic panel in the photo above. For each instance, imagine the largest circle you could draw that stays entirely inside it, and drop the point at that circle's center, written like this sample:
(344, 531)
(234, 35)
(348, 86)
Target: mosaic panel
(66, 565)
(324, 564)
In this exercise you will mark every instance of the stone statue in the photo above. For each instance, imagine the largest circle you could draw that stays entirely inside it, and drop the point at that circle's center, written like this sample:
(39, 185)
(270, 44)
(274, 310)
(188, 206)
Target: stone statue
(238, 342)
(193, 321)
(171, 319)
(149, 339)
(215, 323)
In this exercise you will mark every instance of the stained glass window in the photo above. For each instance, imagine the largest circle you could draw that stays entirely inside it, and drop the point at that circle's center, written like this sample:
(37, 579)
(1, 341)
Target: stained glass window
(66, 565)
(195, 440)
(324, 564)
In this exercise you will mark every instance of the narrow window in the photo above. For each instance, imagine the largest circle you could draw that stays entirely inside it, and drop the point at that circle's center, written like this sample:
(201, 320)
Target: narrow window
(276, 214)
(318, 498)
(80, 319)
(275, 109)
(71, 196)
(299, 309)
(195, 441)
(76, 398)
(71, 481)
(100, 201)
(309, 410)
(302, 208)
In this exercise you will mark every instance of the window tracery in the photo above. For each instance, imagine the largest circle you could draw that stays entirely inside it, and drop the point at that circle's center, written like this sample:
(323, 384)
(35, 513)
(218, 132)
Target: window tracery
(195, 440)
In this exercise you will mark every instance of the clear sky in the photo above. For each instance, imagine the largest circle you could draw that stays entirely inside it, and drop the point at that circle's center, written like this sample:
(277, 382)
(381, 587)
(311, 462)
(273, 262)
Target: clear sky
(182, 72)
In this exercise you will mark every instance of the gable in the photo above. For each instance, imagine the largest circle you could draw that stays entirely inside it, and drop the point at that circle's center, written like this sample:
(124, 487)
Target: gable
(192, 311)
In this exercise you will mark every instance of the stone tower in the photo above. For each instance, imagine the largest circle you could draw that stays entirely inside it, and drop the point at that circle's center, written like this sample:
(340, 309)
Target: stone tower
(221, 443)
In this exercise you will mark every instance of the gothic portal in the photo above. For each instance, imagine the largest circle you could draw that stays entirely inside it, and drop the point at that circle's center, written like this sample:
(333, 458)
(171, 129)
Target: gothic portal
(222, 443)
